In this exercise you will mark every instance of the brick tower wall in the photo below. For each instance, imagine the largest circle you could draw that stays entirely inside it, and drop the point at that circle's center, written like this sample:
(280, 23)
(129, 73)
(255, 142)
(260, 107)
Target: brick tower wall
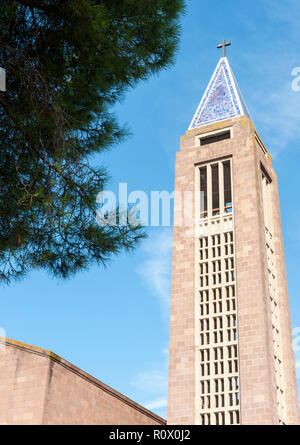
(258, 398)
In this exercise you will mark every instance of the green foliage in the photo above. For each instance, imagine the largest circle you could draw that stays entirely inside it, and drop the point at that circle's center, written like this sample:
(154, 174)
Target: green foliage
(67, 63)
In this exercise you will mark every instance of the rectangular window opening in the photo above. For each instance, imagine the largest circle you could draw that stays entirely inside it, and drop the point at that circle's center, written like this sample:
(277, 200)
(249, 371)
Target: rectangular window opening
(215, 190)
(206, 140)
(203, 192)
(227, 187)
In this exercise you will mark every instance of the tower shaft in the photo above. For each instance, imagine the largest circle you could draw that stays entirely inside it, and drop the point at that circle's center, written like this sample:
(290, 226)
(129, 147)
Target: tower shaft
(231, 356)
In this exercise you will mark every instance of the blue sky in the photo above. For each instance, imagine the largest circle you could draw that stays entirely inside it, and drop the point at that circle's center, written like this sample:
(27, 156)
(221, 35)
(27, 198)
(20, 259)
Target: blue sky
(113, 322)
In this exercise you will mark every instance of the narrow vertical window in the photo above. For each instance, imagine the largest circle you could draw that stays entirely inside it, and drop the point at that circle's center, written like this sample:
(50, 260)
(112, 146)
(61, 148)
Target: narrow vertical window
(203, 192)
(267, 200)
(215, 190)
(227, 187)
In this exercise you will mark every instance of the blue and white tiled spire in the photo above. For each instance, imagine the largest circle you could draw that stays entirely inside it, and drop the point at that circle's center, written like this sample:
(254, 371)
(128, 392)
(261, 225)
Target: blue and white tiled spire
(222, 98)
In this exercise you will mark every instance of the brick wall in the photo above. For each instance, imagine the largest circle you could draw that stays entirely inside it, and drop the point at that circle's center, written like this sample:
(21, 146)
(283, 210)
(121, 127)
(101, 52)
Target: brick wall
(257, 374)
(38, 387)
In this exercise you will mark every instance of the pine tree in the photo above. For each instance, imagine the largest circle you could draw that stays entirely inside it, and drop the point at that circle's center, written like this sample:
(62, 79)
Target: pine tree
(67, 63)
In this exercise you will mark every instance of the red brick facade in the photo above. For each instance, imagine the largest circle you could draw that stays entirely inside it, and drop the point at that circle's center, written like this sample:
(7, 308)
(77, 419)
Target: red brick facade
(38, 387)
(258, 400)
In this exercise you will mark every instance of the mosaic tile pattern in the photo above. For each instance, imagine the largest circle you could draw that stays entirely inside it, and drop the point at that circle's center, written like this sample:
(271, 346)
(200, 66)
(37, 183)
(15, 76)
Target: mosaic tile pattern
(222, 99)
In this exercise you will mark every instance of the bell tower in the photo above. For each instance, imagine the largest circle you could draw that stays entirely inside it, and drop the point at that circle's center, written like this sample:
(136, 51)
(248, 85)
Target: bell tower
(231, 356)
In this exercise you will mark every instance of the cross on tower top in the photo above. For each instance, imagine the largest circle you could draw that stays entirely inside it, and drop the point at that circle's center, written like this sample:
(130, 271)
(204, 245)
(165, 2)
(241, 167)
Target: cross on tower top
(224, 44)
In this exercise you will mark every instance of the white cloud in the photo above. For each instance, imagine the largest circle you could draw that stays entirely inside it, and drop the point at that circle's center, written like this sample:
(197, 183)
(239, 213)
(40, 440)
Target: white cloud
(266, 73)
(156, 404)
(156, 269)
(288, 12)
(282, 116)
(153, 385)
(152, 381)
(272, 102)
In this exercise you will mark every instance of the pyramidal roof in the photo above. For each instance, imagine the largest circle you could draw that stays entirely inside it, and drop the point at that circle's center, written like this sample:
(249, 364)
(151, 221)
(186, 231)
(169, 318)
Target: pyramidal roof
(222, 98)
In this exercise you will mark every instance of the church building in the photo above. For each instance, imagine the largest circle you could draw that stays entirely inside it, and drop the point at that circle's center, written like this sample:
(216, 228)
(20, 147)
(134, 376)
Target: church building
(231, 356)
